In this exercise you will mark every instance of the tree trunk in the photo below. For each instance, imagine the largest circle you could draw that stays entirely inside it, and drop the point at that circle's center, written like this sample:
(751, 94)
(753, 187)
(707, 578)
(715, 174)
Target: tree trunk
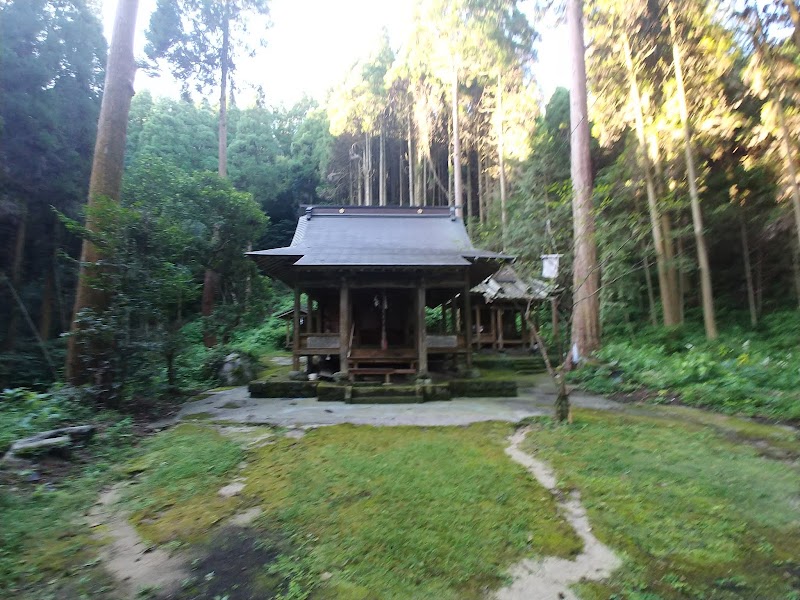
(585, 276)
(481, 191)
(456, 200)
(706, 291)
(501, 163)
(786, 141)
(106, 178)
(748, 274)
(411, 179)
(666, 228)
(367, 168)
(16, 278)
(46, 309)
(651, 297)
(223, 100)
(468, 204)
(382, 168)
(667, 297)
(211, 278)
(796, 269)
(424, 183)
(791, 164)
(794, 15)
(683, 276)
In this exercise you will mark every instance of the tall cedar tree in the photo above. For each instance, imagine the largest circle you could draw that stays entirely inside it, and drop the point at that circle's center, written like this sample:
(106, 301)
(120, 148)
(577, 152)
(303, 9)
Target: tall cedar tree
(585, 273)
(204, 53)
(105, 182)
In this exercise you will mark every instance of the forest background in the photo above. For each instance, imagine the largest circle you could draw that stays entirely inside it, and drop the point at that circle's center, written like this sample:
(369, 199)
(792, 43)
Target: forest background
(694, 153)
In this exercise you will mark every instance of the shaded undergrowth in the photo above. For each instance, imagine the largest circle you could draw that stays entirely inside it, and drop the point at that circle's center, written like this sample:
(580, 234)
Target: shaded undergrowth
(753, 372)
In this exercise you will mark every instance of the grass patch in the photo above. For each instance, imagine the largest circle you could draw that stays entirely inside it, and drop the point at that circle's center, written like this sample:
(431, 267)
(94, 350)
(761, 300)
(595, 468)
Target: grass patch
(175, 496)
(399, 512)
(43, 548)
(46, 547)
(695, 513)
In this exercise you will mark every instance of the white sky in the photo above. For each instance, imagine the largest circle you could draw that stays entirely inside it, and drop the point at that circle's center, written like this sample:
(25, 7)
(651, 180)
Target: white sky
(312, 44)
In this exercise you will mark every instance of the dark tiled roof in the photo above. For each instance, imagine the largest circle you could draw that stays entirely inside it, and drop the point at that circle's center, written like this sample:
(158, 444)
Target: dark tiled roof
(382, 237)
(507, 285)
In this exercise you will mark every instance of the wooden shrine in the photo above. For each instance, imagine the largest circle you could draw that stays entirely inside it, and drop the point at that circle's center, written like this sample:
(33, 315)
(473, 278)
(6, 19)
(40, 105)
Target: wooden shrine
(368, 275)
(499, 303)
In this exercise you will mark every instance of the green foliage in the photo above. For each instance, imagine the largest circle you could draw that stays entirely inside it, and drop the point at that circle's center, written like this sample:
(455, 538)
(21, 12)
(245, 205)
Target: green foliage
(694, 513)
(46, 548)
(24, 412)
(753, 373)
(190, 36)
(170, 228)
(262, 339)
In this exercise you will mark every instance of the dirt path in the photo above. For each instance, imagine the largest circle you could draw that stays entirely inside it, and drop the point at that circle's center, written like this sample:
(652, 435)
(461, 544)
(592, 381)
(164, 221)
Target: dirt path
(135, 565)
(550, 578)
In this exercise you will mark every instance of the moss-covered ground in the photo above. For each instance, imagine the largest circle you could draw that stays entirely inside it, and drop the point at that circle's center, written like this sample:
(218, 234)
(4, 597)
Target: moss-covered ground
(697, 510)
(386, 512)
(698, 505)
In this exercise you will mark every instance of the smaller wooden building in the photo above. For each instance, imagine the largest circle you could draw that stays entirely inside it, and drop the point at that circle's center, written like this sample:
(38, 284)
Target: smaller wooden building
(499, 303)
(368, 275)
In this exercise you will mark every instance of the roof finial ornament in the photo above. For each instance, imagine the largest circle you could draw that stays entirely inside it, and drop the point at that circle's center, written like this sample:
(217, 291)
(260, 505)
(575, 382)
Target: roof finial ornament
(309, 211)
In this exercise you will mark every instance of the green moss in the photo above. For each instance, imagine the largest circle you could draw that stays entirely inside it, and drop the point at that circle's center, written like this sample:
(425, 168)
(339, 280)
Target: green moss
(175, 497)
(695, 513)
(46, 550)
(282, 389)
(408, 512)
(478, 388)
(330, 392)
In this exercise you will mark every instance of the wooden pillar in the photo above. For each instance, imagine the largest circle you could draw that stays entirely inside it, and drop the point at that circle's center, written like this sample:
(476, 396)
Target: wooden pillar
(296, 332)
(478, 327)
(500, 343)
(467, 312)
(524, 329)
(493, 326)
(422, 334)
(344, 326)
(309, 314)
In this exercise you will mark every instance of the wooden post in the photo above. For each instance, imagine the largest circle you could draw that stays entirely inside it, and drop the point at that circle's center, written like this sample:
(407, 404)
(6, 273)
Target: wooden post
(296, 332)
(344, 326)
(493, 325)
(422, 334)
(500, 343)
(309, 314)
(478, 327)
(444, 318)
(467, 312)
(524, 329)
